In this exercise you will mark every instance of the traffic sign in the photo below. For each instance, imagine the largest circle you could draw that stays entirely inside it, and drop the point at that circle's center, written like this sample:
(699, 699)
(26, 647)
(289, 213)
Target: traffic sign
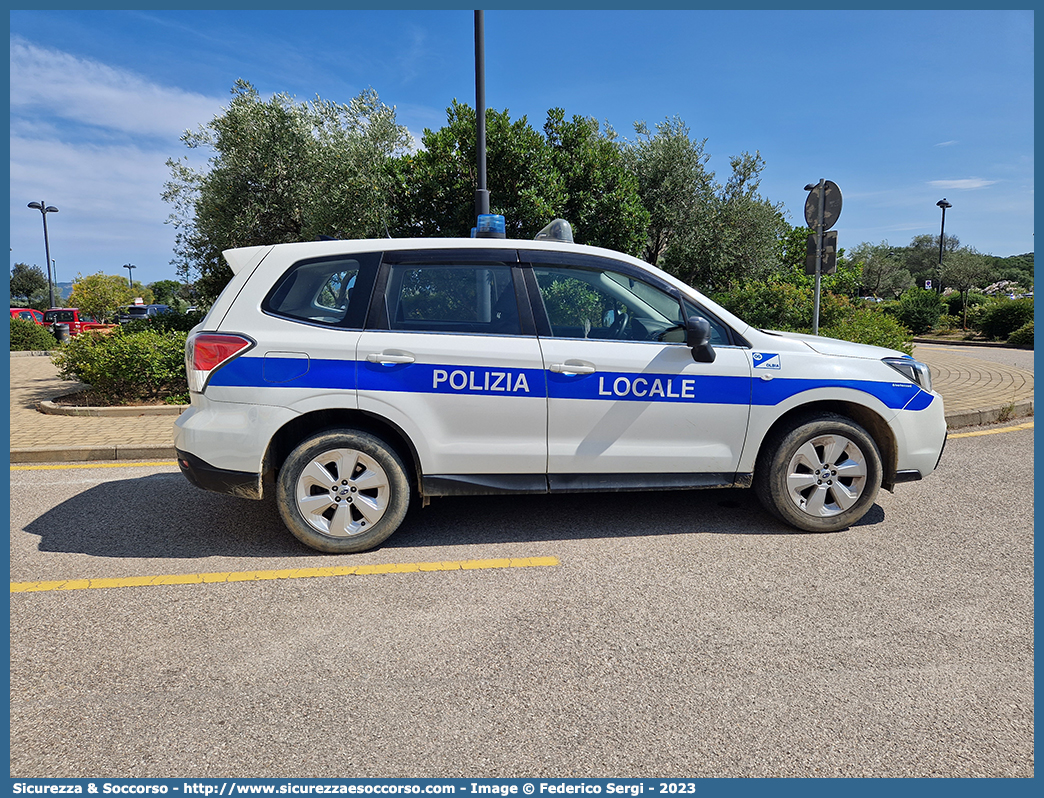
(831, 205)
(829, 265)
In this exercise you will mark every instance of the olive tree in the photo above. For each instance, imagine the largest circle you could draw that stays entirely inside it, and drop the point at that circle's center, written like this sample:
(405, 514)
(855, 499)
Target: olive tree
(881, 269)
(964, 270)
(280, 171)
(711, 235)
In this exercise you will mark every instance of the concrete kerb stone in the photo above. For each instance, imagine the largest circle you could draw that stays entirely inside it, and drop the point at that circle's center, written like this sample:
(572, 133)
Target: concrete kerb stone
(50, 408)
(80, 454)
(990, 415)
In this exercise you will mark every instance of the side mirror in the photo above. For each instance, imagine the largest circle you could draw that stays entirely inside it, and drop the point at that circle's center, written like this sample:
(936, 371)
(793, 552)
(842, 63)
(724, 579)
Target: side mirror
(697, 336)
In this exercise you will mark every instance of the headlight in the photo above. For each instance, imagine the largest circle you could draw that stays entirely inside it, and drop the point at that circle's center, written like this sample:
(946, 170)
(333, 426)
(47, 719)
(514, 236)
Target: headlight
(913, 370)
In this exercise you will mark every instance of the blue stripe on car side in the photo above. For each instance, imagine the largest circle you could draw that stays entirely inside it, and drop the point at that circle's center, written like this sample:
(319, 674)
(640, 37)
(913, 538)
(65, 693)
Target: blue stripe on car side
(601, 386)
(250, 372)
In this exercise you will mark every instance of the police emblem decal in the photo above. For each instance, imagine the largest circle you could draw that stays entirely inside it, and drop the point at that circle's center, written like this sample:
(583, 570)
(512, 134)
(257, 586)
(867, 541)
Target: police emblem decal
(766, 360)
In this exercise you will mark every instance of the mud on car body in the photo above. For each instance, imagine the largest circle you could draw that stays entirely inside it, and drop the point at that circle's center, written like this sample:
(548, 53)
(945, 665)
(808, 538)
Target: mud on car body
(352, 378)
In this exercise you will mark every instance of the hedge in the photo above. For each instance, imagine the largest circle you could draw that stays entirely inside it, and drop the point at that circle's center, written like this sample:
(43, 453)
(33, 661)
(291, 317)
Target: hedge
(28, 336)
(1022, 337)
(1005, 316)
(786, 307)
(124, 367)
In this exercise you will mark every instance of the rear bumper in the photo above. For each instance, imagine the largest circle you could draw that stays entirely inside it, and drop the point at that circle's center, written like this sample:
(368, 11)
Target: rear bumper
(203, 475)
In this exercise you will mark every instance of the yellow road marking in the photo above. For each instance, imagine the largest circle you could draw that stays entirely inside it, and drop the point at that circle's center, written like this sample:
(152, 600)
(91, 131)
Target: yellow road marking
(137, 464)
(289, 573)
(1017, 427)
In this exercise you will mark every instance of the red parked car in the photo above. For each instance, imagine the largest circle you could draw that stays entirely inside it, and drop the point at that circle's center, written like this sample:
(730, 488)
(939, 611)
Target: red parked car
(71, 316)
(29, 314)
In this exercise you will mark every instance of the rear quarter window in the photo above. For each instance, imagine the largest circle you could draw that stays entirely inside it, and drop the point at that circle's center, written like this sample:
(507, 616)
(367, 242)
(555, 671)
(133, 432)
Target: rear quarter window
(326, 292)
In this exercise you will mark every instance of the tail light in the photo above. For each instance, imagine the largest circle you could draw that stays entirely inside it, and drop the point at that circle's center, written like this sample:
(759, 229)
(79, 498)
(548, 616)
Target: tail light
(205, 352)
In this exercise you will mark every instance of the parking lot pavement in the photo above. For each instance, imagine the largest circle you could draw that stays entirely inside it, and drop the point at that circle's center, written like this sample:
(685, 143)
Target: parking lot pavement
(679, 633)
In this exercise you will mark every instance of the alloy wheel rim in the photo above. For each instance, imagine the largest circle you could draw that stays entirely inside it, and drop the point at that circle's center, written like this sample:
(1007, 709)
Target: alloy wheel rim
(342, 492)
(827, 475)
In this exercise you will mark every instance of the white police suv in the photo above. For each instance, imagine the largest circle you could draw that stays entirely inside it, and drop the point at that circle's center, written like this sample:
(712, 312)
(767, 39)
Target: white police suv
(353, 377)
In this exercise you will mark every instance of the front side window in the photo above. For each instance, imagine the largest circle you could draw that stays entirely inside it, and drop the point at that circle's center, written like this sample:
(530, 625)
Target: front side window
(450, 298)
(598, 303)
(606, 304)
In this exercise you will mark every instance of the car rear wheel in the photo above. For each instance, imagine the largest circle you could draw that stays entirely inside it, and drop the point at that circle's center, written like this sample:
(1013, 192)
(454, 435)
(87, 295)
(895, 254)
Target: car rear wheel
(342, 491)
(819, 475)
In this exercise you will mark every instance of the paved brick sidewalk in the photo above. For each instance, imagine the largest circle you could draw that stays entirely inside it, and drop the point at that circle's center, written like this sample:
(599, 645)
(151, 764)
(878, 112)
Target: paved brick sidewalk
(975, 392)
(36, 437)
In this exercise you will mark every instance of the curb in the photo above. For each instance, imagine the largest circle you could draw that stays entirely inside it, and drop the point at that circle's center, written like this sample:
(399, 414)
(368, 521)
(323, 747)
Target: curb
(50, 408)
(990, 415)
(79, 454)
(986, 344)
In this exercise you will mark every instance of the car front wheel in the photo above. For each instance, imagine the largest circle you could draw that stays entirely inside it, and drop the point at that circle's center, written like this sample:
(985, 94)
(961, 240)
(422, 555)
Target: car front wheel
(819, 475)
(342, 491)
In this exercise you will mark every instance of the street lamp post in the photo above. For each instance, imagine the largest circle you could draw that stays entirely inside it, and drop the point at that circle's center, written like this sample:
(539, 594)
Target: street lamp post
(45, 209)
(128, 267)
(943, 204)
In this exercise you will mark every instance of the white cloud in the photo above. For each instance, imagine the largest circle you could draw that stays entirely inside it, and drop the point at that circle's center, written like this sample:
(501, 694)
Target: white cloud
(959, 185)
(51, 83)
(945, 143)
(93, 140)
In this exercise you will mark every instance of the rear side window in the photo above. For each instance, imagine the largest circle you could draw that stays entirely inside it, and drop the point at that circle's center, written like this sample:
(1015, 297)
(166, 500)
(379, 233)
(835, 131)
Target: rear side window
(471, 298)
(322, 291)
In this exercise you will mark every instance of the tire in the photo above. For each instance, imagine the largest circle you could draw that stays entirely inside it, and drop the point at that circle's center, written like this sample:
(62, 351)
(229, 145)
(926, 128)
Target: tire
(820, 475)
(342, 491)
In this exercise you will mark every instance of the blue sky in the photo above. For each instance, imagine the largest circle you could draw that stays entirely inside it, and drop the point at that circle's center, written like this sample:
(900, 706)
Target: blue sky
(899, 108)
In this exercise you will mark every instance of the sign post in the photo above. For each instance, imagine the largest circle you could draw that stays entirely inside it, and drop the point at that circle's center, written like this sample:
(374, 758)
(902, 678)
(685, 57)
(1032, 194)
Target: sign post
(822, 208)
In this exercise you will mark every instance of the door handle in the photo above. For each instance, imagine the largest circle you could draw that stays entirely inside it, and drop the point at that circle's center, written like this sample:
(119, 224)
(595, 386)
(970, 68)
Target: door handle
(389, 358)
(572, 368)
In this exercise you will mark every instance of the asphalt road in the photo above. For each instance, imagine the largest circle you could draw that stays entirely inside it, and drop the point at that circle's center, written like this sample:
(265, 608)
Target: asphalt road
(680, 634)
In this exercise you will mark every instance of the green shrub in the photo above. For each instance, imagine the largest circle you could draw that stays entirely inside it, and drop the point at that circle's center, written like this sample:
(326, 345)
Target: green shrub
(28, 336)
(123, 367)
(919, 310)
(954, 306)
(786, 307)
(1022, 337)
(1002, 317)
(947, 322)
(870, 326)
(975, 315)
(770, 306)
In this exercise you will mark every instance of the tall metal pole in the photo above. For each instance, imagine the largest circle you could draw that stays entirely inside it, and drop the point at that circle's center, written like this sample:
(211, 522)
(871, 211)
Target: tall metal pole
(481, 193)
(942, 231)
(45, 209)
(819, 255)
(47, 254)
